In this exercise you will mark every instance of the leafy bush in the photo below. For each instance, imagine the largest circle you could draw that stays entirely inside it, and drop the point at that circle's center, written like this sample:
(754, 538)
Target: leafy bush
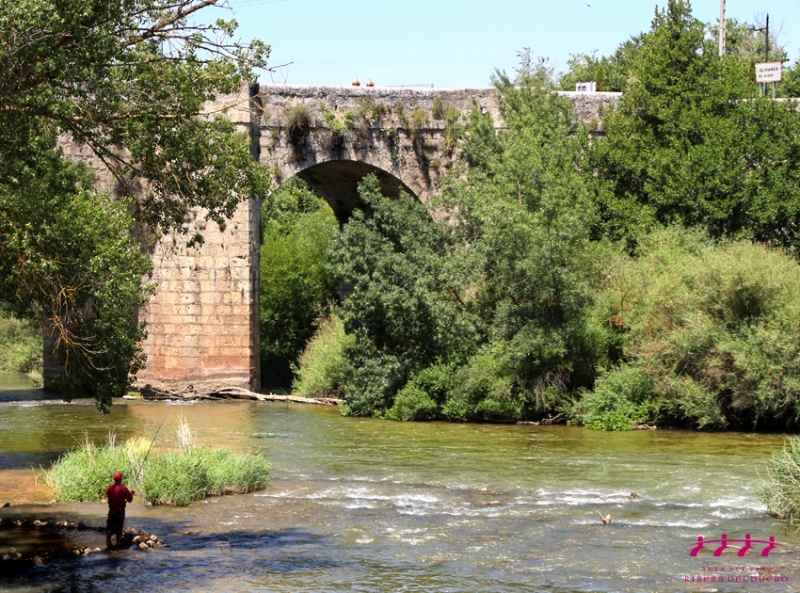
(713, 325)
(620, 398)
(781, 492)
(423, 396)
(321, 367)
(482, 392)
(20, 345)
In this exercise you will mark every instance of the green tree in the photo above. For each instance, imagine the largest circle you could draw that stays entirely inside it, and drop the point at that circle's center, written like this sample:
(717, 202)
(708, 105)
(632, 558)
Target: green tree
(128, 79)
(68, 249)
(525, 211)
(403, 303)
(482, 315)
(690, 143)
(613, 71)
(132, 74)
(296, 285)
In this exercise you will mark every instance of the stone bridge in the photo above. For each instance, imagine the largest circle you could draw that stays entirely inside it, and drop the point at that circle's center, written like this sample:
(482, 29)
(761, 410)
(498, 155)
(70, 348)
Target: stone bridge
(203, 319)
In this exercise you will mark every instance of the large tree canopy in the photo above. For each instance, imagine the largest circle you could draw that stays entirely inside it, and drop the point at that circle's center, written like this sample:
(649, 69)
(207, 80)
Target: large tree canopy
(132, 74)
(692, 143)
(128, 79)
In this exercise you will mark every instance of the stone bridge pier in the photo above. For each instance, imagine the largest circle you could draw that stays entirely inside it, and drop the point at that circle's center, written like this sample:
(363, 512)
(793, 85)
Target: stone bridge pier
(202, 321)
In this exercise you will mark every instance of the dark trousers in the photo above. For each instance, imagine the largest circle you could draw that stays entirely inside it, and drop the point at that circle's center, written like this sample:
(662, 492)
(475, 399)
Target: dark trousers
(115, 522)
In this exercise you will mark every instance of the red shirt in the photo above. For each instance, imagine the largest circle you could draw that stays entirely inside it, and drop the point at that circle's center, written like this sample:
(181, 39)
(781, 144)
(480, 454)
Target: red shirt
(118, 496)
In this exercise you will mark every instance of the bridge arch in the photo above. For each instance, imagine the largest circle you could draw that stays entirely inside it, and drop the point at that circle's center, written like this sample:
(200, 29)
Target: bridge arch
(337, 182)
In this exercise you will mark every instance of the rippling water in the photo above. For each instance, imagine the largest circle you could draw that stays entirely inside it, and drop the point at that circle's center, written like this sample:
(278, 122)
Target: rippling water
(373, 506)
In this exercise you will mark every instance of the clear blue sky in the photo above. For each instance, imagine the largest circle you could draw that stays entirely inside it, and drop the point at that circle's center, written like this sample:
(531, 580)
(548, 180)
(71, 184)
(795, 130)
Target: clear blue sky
(459, 43)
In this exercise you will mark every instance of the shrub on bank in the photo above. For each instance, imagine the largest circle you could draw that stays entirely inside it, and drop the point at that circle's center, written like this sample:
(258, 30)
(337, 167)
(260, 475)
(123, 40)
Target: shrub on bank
(321, 366)
(20, 345)
(175, 478)
(698, 333)
(781, 492)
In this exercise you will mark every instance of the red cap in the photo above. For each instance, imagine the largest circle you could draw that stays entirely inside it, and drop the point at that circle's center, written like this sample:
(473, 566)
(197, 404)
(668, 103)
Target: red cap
(117, 477)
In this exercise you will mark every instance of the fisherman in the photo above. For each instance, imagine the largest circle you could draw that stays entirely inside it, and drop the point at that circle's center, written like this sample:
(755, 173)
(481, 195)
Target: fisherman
(118, 496)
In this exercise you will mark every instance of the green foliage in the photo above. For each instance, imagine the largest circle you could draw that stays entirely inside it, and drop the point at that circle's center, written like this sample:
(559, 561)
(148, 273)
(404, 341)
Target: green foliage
(403, 308)
(610, 72)
(131, 74)
(295, 283)
(790, 85)
(419, 117)
(481, 317)
(179, 477)
(83, 473)
(438, 108)
(781, 491)
(620, 399)
(71, 250)
(484, 390)
(526, 211)
(711, 324)
(321, 367)
(690, 143)
(422, 397)
(20, 345)
(176, 477)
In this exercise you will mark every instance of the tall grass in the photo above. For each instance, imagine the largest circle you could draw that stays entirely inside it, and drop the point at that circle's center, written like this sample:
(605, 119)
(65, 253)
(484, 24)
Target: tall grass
(175, 477)
(781, 492)
(84, 472)
(321, 366)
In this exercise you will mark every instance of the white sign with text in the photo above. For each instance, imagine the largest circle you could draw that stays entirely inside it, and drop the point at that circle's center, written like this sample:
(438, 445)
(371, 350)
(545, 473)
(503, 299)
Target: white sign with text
(769, 72)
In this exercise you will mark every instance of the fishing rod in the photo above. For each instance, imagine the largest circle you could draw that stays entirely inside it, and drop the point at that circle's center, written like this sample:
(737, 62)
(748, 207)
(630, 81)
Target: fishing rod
(141, 467)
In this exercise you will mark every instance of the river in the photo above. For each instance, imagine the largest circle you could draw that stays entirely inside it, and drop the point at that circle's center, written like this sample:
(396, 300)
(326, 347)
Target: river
(374, 506)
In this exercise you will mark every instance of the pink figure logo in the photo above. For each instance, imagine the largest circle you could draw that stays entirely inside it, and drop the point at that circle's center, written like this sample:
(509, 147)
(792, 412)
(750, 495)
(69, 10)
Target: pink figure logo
(725, 542)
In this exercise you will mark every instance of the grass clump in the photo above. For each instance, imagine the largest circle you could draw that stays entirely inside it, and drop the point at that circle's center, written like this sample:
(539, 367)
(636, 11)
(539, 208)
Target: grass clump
(781, 492)
(438, 108)
(83, 473)
(321, 366)
(298, 123)
(174, 478)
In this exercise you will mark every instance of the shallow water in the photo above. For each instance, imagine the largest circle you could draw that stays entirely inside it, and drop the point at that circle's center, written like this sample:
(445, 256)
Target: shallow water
(374, 506)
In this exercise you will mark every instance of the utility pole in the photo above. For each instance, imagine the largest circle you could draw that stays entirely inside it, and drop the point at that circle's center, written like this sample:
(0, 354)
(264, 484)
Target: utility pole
(722, 28)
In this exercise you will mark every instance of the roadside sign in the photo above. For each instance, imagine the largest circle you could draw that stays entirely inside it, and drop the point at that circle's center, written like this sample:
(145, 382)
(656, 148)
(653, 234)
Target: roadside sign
(769, 72)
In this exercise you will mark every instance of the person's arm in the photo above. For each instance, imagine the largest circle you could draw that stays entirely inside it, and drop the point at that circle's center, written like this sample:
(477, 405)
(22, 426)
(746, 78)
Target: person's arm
(130, 495)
